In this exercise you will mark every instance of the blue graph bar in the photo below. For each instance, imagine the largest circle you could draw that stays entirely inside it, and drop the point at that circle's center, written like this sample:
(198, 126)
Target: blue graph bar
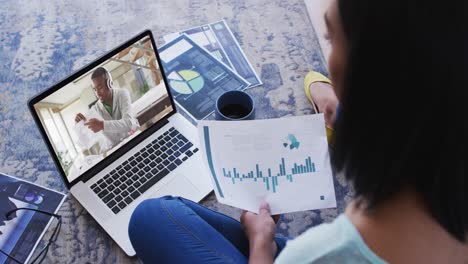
(307, 167)
(283, 166)
(274, 181)
(210, 160)
(267, 180)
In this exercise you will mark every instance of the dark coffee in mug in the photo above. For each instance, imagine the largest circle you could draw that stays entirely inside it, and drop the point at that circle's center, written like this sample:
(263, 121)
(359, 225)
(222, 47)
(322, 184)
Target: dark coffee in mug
(235, 111)
(234, 105)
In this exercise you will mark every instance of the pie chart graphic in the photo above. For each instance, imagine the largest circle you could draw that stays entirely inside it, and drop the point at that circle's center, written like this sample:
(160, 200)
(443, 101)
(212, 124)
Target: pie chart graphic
(186, 81)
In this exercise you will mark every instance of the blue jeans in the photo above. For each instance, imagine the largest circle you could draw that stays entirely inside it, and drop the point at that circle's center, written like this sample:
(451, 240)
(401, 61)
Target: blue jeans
(177, 230)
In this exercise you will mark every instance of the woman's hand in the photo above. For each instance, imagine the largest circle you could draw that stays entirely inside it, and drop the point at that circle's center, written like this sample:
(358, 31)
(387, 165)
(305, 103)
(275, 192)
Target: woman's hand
(260, 230)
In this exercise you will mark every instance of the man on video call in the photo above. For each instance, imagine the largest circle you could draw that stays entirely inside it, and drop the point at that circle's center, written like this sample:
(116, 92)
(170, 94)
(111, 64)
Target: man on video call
(116, 118)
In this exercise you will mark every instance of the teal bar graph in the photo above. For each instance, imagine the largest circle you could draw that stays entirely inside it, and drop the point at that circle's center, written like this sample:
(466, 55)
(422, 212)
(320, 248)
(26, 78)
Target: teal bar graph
(271, 180)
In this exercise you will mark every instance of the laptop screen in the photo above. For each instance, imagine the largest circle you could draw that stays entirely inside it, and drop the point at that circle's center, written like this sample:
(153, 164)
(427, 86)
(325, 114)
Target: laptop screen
(104, 108)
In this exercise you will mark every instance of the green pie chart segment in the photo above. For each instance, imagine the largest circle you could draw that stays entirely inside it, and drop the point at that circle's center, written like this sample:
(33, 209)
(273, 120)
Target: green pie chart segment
(180, 87)
(197, 84)
(188, 74)
(186, 81)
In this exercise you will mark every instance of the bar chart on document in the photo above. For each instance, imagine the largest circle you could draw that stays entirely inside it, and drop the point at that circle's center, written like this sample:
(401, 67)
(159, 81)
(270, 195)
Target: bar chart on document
(284, 162)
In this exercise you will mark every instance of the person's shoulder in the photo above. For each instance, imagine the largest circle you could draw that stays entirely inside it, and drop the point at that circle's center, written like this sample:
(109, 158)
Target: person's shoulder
(95, 107)
(121, 91)
(336, 242)
(316, 242)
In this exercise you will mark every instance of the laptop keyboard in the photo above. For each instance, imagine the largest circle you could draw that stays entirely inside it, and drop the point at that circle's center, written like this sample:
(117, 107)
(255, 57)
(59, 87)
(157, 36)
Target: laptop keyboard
(145, 168)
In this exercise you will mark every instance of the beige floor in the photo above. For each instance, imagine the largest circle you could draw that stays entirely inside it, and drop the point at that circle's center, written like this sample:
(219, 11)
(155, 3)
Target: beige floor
(316, 9)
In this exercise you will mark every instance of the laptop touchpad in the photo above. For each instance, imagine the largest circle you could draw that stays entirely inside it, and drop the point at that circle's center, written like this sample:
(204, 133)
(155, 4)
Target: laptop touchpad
(179, 186)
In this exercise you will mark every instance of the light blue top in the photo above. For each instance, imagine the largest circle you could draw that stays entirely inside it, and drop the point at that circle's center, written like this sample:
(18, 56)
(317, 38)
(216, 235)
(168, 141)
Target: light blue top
(336, 242)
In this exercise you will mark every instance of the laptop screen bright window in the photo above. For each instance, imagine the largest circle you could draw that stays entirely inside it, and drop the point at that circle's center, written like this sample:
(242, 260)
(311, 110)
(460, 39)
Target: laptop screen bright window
(96, 114)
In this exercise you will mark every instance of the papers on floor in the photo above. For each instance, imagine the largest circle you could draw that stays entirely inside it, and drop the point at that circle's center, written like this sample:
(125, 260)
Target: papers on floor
(218, 39)
(20, 235)
(201, 63)
(284, 162)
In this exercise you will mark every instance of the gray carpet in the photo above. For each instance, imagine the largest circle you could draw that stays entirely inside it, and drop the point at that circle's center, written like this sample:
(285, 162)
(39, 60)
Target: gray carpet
(44, 41)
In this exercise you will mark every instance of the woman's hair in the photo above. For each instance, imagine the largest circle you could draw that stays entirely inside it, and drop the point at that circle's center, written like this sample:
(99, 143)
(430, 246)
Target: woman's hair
(401, 124)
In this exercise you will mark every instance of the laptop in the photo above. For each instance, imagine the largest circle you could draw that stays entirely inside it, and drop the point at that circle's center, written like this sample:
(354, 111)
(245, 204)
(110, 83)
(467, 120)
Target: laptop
(116, 137)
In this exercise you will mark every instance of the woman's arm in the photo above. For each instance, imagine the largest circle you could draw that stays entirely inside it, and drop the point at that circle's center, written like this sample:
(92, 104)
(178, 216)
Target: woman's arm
(262, 252)
(260, 230)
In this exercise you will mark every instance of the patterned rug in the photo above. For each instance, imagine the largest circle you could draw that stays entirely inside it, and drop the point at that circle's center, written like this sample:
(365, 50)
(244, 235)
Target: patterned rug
(44, 41)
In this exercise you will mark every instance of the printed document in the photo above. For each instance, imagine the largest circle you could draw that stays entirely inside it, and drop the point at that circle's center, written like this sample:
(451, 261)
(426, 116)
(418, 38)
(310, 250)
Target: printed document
(284, 162)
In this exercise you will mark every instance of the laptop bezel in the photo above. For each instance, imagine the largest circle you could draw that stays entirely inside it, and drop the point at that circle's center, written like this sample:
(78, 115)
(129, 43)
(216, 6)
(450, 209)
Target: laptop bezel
(125, 148)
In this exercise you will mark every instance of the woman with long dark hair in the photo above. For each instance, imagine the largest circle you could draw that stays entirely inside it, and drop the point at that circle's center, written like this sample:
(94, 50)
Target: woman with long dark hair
(398, 71)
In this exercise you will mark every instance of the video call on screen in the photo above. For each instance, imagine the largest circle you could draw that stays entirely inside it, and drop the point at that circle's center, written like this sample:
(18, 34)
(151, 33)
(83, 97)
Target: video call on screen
(102, 110)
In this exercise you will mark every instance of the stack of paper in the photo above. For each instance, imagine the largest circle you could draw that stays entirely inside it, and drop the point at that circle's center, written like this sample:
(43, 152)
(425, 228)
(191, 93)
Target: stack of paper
(202, 63)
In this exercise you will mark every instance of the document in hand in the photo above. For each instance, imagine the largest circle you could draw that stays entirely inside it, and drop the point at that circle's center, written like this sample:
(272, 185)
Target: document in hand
(284, 162)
